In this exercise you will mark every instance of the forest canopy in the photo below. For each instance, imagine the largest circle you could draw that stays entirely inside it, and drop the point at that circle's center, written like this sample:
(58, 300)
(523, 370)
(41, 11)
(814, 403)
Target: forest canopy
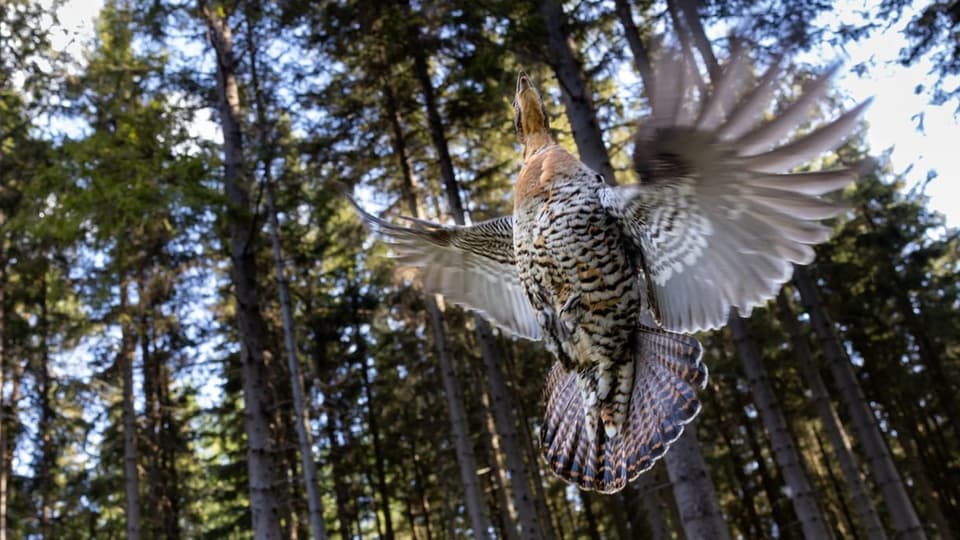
(199, 339)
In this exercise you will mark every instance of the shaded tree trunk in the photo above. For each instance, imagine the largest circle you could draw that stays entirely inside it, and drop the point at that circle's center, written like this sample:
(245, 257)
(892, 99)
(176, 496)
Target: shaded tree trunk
(340, 489)
(499, 394)
(641, 57)
(867, 514)
(473, 496)
(48, 448)
(782, 512)
(379, 459)
(131, 472)
(261, 448)
(302, 421)
(802, 494)
(644, 494)
(3, 372)
(700, 514)
(577, 97)
(885, 474)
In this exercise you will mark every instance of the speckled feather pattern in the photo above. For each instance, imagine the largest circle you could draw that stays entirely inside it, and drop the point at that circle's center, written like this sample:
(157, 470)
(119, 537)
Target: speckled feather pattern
(607, 275)
(608, 416)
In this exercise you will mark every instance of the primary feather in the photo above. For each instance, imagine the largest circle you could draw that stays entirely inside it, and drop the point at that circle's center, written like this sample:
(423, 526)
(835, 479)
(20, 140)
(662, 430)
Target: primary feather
(716, 222)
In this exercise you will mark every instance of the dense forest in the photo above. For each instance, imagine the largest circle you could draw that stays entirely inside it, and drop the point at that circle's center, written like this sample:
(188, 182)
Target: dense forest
(200, 339)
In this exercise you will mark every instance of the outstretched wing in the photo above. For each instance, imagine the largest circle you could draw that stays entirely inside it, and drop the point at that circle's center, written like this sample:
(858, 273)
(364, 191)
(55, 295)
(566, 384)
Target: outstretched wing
(473, 266)
(717, 221)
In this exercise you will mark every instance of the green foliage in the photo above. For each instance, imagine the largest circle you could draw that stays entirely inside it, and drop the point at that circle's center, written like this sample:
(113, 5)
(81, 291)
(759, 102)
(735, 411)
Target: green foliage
(118, 229)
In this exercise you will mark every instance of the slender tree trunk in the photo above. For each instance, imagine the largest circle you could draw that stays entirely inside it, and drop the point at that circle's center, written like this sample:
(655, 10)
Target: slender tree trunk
(473, 496)
(3, 372)
(304, 434)
(261, 448)
(379, 459)
(688, 10)
(700, 514)
(340, 489)
(801, 492)
(499, 394)
(577, 97)
(131, 472)
(859, 493)
(850, 526)
(885, 473)
(641, 57)
(48, 449)
(418, 483)
(643, 495)
(931, 353)
(491, 442)
(750, 525)
(593, 530)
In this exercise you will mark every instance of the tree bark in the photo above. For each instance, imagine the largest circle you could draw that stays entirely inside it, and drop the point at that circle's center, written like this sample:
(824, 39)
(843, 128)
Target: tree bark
(48, 443)
(802, 495)
(473, 497)
(782, 512)
(3, 372)
(491, 443)
(641, 57)
(700, 514)
(261, 448)
(499, 394)
(379, 459)
(340, 489)
(131, 469)
(688, 10)
(867, 514)
(906, 523)
(577, 97)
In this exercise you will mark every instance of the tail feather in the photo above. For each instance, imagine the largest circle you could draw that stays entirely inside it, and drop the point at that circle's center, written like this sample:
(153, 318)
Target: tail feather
(667, 374)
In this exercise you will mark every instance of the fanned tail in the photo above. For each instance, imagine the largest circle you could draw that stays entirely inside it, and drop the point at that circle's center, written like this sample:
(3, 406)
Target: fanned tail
(667, 374)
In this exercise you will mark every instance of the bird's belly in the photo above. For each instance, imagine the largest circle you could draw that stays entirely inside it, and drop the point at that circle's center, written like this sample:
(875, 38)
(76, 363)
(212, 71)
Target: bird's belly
(574, 266)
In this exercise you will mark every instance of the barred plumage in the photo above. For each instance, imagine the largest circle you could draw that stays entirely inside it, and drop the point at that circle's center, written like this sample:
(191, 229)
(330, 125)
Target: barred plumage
(584, 266)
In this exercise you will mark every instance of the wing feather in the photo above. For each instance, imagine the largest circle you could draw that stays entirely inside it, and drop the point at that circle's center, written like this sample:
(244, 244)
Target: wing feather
(473, 266)
(717, 217)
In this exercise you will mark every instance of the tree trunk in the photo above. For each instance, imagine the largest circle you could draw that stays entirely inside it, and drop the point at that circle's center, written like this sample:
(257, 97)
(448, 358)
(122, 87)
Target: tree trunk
(341, 490)
(499, 394)
(491, 443)
(931, 353)
(885, 474)
(473, 497)
(48, 444)
(304, 435)
(750, 524)
(379, 459)
(849, 526)
(688, 10)
(3, 372)
(641, 57)
(577, 97)
(700, 514)
(261, 448)
(131, 472)
(859, 493)
(586, 499)
(801, 492)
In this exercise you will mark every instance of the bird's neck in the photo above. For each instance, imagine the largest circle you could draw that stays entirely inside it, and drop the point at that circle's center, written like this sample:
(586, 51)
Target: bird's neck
(534, 142)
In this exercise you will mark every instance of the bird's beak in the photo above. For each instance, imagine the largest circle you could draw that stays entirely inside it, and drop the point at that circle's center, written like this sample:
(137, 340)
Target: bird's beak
(523, 83)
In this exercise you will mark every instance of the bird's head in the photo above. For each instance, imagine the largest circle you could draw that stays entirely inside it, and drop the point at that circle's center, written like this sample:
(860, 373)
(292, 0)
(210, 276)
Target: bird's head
(530, 116)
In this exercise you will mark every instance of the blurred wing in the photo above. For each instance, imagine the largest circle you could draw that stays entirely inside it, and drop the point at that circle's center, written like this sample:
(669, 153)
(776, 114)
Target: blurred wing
(472, 266)
(717, 222)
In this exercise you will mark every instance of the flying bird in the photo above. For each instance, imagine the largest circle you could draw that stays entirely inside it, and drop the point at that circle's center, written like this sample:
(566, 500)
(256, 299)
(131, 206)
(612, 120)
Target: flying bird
(614, 279)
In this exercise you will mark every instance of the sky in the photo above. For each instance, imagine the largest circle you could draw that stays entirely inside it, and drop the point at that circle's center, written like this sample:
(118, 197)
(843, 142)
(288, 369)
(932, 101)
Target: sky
(892, 118)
